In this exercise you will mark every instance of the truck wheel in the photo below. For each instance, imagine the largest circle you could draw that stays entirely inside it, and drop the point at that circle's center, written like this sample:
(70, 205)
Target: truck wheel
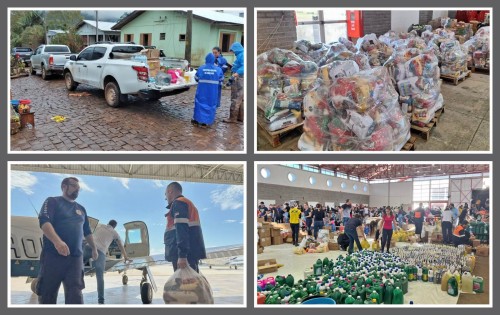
(112, 94)
(71, 85)
(45, 76)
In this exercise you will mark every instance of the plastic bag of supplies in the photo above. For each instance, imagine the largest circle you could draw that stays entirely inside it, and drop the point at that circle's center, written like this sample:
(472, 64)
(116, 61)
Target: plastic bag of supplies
(186, 286)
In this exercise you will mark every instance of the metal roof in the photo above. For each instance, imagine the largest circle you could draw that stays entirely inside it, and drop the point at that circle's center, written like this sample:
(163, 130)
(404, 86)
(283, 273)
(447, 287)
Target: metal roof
(231, 174)
(102, 26)
(404, 171)
(214, 16)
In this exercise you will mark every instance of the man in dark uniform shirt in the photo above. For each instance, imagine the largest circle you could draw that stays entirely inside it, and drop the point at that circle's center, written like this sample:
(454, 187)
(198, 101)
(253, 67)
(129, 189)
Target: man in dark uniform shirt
(64, 223)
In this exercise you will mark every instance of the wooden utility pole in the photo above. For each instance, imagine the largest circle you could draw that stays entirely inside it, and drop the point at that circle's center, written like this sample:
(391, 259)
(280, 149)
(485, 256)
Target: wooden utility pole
(189, 33)
(96, 27)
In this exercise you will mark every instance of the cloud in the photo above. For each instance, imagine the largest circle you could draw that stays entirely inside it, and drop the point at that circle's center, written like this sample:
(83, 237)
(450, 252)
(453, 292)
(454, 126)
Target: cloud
(230, 198)
(83, 185)
(24, 181)
(159, 183)
(242, 222)
(229, 221)
(123, 181)
(205, 209)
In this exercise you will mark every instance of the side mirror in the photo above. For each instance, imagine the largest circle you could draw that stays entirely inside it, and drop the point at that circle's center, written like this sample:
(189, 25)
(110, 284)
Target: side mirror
(111, 55)
(72, 58)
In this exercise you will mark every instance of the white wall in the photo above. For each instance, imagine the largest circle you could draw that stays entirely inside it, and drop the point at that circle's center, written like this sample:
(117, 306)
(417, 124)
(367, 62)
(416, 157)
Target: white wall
(402, 19)
(400, 193)
(279, 176)
(439, 13)
(461, 189)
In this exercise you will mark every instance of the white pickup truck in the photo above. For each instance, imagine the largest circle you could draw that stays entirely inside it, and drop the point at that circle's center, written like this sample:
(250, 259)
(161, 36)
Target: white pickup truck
(50, 59)
(110, 67)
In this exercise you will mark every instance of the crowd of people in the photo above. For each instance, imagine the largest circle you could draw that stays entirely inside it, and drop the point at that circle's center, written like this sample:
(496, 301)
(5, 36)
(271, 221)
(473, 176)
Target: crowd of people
(349, 216)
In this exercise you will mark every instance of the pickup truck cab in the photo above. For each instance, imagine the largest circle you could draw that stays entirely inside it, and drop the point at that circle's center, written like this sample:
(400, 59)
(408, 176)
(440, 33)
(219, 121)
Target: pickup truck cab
(50, 59)
(111, 67)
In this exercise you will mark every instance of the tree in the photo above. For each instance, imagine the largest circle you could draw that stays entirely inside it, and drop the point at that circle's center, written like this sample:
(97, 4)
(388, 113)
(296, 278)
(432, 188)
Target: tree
(25, 21)
(62, 20)
(33, 36)
(71, 39)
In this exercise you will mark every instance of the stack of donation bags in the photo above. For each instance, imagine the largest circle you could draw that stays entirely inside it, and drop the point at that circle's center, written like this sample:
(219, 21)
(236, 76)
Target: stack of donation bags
(283, 78)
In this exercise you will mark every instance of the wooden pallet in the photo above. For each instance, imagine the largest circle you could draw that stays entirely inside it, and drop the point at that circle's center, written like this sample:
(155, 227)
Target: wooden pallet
(275, 137)
(426, 130)
(479, 69)
(439, 112)
(457, 79)
(410, 144)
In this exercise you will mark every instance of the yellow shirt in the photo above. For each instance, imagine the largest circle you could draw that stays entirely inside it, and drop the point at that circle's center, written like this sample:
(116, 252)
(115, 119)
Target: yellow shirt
(294, 215)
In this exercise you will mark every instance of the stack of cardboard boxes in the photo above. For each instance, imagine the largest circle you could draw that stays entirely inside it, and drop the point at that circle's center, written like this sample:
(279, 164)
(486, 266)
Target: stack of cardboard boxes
(264, 234)
(153, 56)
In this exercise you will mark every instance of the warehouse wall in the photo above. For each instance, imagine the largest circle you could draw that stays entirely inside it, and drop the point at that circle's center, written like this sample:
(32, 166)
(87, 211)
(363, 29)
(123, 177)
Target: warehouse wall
(275, 29)
(440, 13)
(281, 194)
(461, 189)
(400, 193)
(424, 17)
(401, 20)
(378, 22)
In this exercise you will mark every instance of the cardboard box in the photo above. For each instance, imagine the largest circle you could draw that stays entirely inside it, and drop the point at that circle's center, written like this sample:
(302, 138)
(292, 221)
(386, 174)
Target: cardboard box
(468, 249)
(275, 232)
(267, 265)
(277, 240)
(260, 250)
(476, 243)
(289, 240)
(483, 250)
(154, 64)
(260, 220)
(151, 53)
(266, 241)
(261, 233)
(333, 246)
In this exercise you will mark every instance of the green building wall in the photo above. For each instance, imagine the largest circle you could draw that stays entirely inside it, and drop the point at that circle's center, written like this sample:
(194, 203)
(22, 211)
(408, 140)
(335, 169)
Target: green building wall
(173, 23)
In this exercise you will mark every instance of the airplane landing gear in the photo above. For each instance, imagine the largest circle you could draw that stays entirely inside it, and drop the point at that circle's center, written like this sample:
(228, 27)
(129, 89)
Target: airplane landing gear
(34, 282)
(146, 287)
(124, 279)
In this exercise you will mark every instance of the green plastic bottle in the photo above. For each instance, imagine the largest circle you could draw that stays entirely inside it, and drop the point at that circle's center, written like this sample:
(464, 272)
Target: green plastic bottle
(358, 300)
(452, 286)
(336, 296)
(404, 282)
(362, 292)
(326, 262)
(397, 296)
(349, 299)
(375, 296)
(311, 287)
(380, 290)
(289, 280)
(318, 268)
(425, 274)
(415, 273)
(388, 294)
(280, 280)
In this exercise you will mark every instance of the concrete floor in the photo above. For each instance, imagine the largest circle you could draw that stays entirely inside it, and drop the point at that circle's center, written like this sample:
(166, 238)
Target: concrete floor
(464, 126)
(419, 292)
(227, 286)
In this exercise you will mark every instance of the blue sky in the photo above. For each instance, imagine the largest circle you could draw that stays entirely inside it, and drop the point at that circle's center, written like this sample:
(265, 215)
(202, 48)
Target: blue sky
(125, 200)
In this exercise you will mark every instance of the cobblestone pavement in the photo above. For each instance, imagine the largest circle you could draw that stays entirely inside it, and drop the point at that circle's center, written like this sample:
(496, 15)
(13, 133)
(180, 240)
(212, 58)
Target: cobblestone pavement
(92, 125)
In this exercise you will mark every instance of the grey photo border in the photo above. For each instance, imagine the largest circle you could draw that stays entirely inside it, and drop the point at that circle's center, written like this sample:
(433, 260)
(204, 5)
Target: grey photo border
(250, 157)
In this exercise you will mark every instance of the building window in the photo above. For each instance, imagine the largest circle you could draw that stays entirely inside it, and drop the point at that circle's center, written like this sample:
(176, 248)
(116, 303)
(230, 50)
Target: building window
(265, 172)
(129, 38)
(353, 178)
(365, 188)
(327, 172)
(343, 185)
(182, 37)
(342, 175)
(162, 36)
(292, 177)
(310, 168)
(297, 166)
(354, 187)
(312, 180)
(225, 41)
(363, 180)
(329, 183)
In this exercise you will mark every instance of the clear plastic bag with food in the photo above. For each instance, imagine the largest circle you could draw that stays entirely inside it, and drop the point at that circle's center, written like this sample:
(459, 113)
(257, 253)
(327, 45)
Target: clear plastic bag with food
(186, 286)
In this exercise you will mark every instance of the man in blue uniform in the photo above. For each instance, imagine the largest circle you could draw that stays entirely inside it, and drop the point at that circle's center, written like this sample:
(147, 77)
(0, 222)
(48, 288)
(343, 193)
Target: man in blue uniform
(209, 78)
(183, 236)
(237, 88)
(220, 62)
(64, 223)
